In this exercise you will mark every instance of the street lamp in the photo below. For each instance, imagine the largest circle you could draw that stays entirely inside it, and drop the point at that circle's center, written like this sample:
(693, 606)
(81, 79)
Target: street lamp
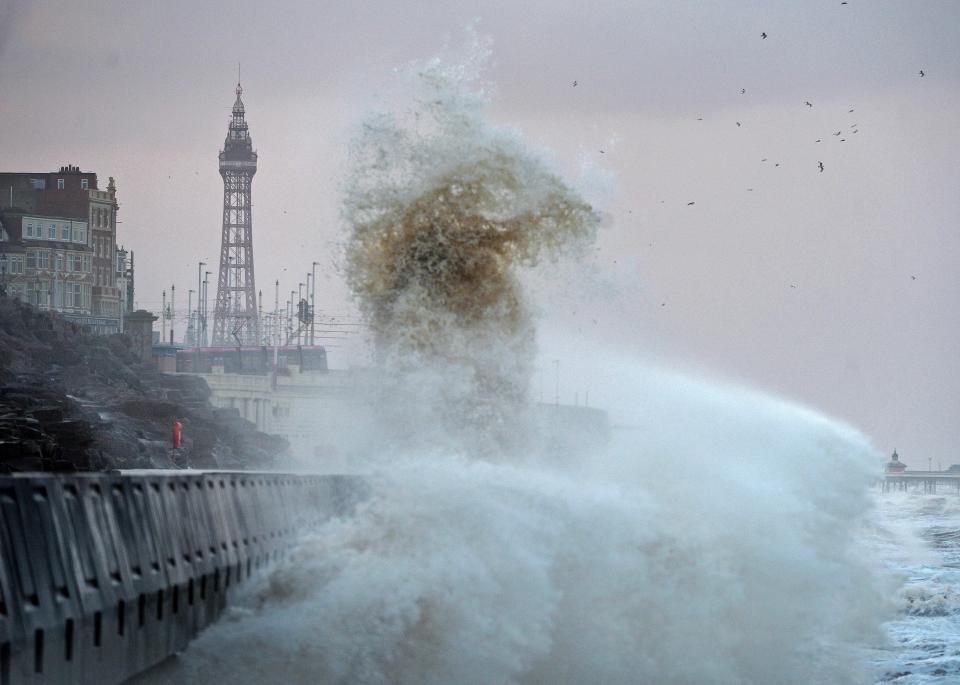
(200, 266)
(300, 313)
(206, 289)
(313, 302)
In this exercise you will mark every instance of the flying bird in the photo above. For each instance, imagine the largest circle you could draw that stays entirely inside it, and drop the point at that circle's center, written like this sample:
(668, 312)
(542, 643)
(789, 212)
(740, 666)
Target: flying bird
(913, 278)
(763, 35)
(699, 118)
(792, 285)
(777, 164)
(838, 133)
(850, 111)
(574, 84)
(764, 159)
(808, 103)
(738, 123)
(743, 91)
(602, 152)
(817, 140)
(821, 166)
(691, 203)
(922, 74)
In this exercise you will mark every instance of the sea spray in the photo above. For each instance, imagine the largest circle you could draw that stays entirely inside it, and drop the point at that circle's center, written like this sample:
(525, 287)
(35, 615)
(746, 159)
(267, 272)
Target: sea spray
(443, 209)
(711, 542)
(714, 543)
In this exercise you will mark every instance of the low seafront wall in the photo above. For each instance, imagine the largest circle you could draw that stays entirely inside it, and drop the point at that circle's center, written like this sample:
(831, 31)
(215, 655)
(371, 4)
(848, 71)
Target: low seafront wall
(102, 576)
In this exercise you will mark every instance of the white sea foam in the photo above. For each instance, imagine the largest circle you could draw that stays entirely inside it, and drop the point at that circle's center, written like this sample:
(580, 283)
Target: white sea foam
(719, 548)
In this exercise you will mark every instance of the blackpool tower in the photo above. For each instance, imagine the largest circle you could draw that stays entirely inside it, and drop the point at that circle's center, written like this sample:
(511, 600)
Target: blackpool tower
(235, 317)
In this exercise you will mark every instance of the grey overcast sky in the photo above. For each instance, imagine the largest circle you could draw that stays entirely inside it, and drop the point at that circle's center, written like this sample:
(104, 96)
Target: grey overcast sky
(793, 280)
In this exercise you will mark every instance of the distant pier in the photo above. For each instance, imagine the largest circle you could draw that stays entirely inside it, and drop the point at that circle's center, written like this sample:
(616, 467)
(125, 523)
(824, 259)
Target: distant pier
(930, 481)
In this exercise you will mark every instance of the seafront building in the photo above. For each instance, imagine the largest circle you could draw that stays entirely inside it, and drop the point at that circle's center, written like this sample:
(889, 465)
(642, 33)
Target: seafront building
(58, 248)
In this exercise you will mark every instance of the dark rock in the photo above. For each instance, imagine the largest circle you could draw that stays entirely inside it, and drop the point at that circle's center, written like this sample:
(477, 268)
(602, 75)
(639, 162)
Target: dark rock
(72, 399)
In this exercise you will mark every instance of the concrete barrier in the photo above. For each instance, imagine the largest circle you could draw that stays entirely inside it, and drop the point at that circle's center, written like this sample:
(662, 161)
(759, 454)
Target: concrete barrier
(104, 575)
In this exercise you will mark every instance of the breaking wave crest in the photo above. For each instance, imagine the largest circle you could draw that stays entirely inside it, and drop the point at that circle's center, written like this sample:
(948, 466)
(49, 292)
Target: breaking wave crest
(443, 209)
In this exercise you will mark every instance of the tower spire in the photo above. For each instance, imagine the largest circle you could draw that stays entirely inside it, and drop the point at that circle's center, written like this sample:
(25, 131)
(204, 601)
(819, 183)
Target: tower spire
(235, 317)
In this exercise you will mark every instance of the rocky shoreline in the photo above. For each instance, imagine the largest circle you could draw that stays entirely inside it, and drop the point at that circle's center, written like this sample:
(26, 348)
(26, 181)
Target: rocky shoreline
(71, 401)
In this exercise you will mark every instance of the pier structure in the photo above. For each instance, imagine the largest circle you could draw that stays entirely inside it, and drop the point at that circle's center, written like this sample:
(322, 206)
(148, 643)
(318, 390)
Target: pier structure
(929, 481)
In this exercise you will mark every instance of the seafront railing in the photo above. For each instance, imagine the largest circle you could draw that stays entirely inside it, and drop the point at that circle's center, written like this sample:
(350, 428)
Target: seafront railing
(102, 576)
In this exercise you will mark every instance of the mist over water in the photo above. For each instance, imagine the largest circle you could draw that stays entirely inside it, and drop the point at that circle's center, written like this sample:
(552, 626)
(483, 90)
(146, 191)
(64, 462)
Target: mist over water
(712, 540)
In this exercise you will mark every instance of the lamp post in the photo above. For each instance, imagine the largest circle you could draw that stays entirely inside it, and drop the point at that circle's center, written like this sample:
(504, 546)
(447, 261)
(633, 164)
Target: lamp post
(206, 291)
(300, 313)
(200, 266)
(290, 317)
(313, 303)
(306, 333)
(189, 315)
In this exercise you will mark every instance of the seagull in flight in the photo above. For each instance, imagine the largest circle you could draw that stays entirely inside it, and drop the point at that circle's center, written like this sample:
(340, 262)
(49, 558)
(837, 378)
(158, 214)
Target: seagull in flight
(821, 166)
(913, 278)
(738, 123)
(743, 91)
(922, 74)
(763, 35)
(838, 133)
(817, 140)
(574, 84)
(808, 103)
(691, 203)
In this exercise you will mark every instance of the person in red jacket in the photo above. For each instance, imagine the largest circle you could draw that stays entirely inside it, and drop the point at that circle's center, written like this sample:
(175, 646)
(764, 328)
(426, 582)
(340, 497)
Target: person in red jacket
(175, 439)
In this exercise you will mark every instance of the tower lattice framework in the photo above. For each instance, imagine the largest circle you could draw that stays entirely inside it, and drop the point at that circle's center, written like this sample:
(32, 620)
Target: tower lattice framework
(235, 317)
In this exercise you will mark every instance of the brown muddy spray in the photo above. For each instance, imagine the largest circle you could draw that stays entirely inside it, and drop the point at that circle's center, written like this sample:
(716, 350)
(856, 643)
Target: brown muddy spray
(444, 210)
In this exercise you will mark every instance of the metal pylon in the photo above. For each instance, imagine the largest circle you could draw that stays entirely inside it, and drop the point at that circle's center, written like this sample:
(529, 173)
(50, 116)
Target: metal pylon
(235, 316)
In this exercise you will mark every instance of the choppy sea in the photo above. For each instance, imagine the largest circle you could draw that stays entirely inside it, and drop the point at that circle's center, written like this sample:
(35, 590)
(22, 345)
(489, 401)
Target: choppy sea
(919, 538)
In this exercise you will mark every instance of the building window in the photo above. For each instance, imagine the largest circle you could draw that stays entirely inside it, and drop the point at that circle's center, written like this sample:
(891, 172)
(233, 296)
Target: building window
(59, 184)
(31, 259)
(29, 230)
(59, 262)
(43, 260)
(82, 235)
(84, 184)
(16, 264)
(52, 232)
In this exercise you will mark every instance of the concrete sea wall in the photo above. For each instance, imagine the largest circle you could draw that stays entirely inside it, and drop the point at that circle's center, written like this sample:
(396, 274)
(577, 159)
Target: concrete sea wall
(104, 575)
